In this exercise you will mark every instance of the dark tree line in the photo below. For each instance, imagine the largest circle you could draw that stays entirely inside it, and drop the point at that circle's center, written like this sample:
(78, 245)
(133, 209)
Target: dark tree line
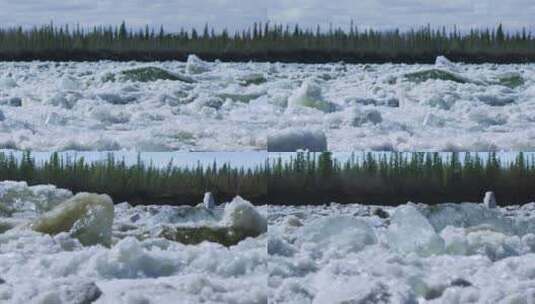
(305, 178)
(395, 179)
(267, 42)
(140, 183)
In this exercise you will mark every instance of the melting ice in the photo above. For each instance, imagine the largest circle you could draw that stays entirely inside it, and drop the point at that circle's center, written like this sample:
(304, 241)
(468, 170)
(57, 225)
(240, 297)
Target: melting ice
(57, 247)
(165, 106)
(449, 253)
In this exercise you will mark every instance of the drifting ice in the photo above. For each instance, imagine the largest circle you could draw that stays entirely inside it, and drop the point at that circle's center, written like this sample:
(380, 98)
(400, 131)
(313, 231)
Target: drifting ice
(195, 65)
(468, 215)
(309, 95)
(7, 83)
(54, 267)
(18, 197)
(149, 74)
(87, 217)
(436, 74)
(443, 62)
(410, 231)
(241, 214)
(475, 106)
(68, 83)
(294, 140)
(12, 102)
(240, 220)
(332, 259)
(490, 200)
(345, 233)
(208, 201)
(251, 78)
(367, 116)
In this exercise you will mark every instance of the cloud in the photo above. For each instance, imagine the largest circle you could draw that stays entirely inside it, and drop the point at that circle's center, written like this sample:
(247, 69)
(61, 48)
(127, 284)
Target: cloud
(238, 14)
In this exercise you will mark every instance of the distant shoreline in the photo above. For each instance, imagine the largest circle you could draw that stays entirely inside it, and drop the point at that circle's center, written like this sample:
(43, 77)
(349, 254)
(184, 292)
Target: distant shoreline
(138, 183)
(374, 179)
(267, 42)
(301, 56)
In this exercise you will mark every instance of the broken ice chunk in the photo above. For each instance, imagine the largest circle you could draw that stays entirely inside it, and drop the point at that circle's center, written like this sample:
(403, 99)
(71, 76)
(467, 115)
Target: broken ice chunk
(490, 200)
(86, 216)
(411, 232)
(294, 140)
(241, 214)
(195, 65)
(208, 201)
(309, 94)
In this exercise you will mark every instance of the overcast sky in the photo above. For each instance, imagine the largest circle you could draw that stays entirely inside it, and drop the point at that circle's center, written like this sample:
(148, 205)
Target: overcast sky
(237, 14)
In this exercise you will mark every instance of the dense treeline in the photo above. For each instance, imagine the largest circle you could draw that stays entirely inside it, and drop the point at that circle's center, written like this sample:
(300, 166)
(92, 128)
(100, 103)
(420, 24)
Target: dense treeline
(267, 42)
(305, 178)
(397, 178)
(139, 183)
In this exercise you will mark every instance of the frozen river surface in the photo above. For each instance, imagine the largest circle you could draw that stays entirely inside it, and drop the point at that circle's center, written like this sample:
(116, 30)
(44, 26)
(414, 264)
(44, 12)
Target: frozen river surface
(85, 250)
(409, 254)
(56, 247)
(199, 106)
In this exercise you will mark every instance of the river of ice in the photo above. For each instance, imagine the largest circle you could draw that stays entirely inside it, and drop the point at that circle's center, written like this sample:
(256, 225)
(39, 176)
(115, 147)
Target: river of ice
(139, 267)
(410, 254)
(448, 253)
(237, 106)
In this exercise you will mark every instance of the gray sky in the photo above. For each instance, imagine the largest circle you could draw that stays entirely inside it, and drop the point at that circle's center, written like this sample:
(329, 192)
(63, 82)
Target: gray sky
(237, 14)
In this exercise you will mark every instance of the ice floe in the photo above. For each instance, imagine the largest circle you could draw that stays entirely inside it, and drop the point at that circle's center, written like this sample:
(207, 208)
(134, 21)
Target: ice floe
(236, 106)
(195, 65)
(56, 247)
(87, 217)
(295, 140)
(410, 232)
(309, 95)
(447, 253)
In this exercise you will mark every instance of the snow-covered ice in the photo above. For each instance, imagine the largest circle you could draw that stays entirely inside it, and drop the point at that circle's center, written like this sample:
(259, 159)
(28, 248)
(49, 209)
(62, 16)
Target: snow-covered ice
(139, 265)
(489, 200)
(208, 200)
(215, 106)
(414, 253)
(297, 140)
(88, 217)
(448, 253)
(410, 232)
